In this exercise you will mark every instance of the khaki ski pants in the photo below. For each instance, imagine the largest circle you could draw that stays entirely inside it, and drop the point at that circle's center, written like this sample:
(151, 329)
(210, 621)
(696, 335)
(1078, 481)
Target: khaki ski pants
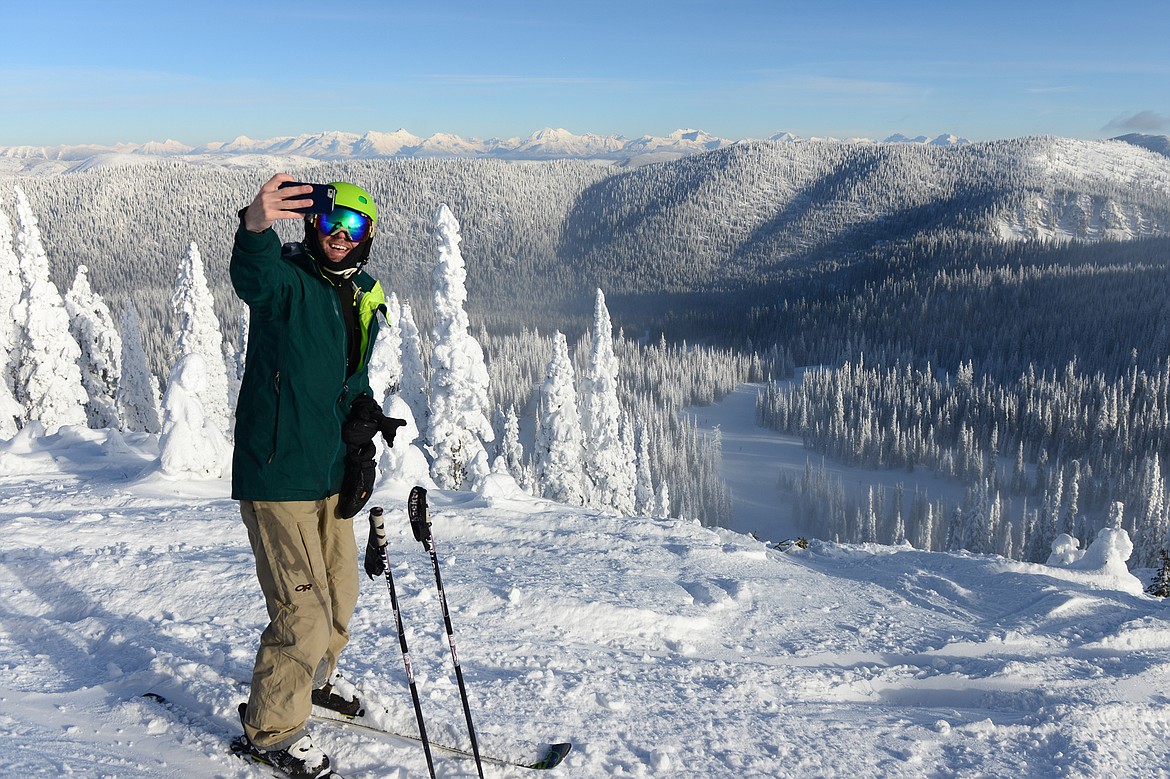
(306, 561)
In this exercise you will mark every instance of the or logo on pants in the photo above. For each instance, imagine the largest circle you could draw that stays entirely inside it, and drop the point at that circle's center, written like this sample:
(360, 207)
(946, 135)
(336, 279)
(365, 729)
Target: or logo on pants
(304, 587)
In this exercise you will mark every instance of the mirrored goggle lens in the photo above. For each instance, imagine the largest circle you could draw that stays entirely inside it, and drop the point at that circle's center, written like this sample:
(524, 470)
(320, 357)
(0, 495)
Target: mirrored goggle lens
(357, 225)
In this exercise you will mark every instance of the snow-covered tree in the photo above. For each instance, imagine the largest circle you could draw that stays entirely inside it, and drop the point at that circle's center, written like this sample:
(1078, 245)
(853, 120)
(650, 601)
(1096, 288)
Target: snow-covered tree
(11, 412)
(460, 404)
(199, 333)
(404, 464)
(558, 452)
(413, 385)
(93, 327)
(606, 465)
(644, 488)
(977, 530)
(386, 358)
(10, 291)
(47, 381)
(511, 457)
(235, 358)
(137, 396)
(191, 443)
(662, 503)
(1151, 523)
(629, 498)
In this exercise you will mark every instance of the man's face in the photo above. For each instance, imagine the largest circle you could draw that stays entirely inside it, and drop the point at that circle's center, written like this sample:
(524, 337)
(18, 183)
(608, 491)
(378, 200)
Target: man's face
(340, 231)
(337, 246)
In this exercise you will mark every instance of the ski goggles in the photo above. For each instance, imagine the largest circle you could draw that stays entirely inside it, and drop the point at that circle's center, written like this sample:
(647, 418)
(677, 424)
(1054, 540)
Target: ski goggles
(356, 224)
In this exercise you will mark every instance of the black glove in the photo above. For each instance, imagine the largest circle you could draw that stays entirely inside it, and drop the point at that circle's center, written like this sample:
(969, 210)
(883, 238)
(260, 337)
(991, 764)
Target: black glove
(360, 427)
(375, 561)
(358, 482)
(388, 427)
(365, 420)
(357, 433)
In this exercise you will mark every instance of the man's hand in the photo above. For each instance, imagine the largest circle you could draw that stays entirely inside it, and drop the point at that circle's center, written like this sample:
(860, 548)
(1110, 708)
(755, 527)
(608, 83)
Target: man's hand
(272, 203)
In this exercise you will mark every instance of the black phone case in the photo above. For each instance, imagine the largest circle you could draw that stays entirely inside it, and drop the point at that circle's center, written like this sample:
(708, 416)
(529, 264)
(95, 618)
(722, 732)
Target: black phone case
(323, 196)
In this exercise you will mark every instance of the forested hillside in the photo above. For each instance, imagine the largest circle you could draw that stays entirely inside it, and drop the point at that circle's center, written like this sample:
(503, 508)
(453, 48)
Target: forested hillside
(1041, 258)
(689, 248)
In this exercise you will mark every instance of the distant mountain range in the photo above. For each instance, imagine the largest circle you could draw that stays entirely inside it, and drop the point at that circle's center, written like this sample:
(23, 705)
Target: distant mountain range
(542, 145)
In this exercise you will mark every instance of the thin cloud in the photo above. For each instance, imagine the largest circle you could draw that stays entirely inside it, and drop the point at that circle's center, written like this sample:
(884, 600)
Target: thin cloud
(486, 79)
(1142, 121)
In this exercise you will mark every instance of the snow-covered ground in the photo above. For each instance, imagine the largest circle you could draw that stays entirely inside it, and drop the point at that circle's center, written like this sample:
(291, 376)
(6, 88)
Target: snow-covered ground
(660, 648)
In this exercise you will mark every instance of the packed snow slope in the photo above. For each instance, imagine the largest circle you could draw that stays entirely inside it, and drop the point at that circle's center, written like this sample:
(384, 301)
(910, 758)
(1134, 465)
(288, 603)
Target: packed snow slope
(658, 647)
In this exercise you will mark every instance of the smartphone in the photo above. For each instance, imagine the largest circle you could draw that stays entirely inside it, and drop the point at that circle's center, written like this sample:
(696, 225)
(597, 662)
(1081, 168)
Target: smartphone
(322, 195)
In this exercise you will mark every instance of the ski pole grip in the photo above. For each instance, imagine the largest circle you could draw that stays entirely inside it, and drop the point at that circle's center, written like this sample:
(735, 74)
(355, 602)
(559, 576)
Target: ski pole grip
(377, 528)
(420, 518)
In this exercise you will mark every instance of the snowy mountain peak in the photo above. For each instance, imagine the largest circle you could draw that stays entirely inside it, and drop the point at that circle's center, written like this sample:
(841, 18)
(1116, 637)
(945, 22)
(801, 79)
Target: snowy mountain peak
(783, 137)
(549, 134)
(546, 143)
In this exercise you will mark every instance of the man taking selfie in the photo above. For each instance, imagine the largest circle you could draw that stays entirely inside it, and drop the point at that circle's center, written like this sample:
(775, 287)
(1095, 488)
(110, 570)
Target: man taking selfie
(312, 325)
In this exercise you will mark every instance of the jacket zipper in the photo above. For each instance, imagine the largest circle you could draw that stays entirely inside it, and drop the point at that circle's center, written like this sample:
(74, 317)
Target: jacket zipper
(276, 426)
(344, 370)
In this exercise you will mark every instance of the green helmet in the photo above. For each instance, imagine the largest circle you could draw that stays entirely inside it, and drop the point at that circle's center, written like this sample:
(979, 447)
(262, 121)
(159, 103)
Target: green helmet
(354, 197)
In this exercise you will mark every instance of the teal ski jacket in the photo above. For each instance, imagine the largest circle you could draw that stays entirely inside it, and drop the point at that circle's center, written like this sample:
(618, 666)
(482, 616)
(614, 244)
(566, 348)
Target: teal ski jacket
(296, 392)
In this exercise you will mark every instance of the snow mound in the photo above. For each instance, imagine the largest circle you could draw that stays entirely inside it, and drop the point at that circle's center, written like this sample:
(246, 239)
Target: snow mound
(1103, 562)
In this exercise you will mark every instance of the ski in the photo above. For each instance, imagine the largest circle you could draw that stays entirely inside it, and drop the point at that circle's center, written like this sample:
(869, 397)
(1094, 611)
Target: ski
(238, 746)
(551, 754)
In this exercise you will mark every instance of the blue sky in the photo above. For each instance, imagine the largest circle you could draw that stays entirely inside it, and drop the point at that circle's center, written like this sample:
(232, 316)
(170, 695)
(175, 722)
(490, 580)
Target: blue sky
(109, 71)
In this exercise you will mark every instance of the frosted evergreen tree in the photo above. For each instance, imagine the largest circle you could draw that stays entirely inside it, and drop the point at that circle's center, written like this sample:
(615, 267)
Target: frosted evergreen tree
(1072, 503)
(199, 333)
(606, 466)
(235, 358)
(897, 521)
(93, 327)
(1159, 587)
(1020, 472)
(511, 455)
(191, 443)
(386, 357)
(413, 384)
(47, 381)
(662, 502)
(627, 496)
(644, 487)
(869, 533)
(999, 527)
(955, 526)
(1116, 515)
(925, 530)
(459, 401)
(977, 532)
(12, 413)
(10, 292)
(137, 396)
(385, 375)
(1150, 532)
(558, 452)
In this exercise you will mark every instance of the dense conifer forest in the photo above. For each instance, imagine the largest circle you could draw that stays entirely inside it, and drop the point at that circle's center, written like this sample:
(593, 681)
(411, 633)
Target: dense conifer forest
(993, 311)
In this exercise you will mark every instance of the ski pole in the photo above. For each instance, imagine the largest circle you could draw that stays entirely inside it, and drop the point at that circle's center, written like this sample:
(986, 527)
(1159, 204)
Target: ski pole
(379, 542)
(420, 523)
